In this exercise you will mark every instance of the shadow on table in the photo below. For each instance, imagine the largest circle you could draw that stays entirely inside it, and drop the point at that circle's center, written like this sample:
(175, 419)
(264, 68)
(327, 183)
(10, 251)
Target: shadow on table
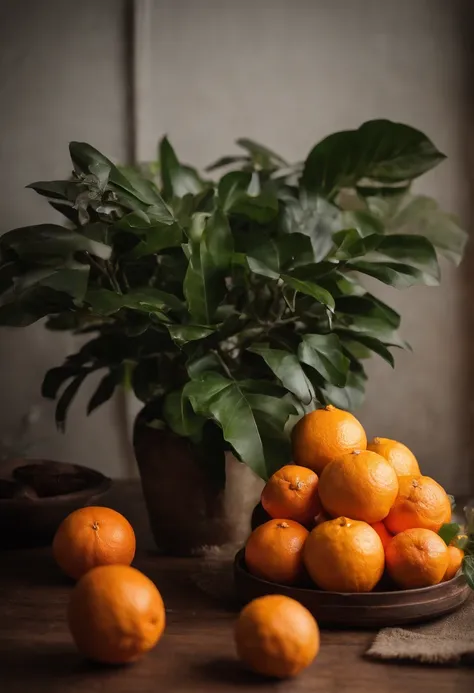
(227, 670)
(48, 666)
(34, 567)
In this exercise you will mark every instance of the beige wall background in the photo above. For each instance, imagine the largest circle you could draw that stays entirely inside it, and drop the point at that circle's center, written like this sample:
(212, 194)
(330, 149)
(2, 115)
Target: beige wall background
(284, 72)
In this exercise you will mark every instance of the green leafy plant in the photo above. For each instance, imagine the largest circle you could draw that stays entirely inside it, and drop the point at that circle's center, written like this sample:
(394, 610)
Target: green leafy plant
(230, 306)
(462, 536)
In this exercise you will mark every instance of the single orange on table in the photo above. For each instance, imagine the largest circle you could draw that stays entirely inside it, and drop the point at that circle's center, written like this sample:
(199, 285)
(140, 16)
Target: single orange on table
(416, 558)
(324, 435)
(400, 457)
(455, 559)
(344, 555)
(292, 493)
(421, 502)
(93, 536)
(274, 551)
(276, 636)
(384, 534)
(361, 485)
(116, 614)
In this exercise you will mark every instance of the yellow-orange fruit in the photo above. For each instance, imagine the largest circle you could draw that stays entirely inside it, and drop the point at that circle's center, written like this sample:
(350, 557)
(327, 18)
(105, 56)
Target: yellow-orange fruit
(361, 485)
(400, 457)
(292, 493)
(344, 555)
(416, 558)
(276, 636)
(324, 435)
(274, 551)
(421, 502)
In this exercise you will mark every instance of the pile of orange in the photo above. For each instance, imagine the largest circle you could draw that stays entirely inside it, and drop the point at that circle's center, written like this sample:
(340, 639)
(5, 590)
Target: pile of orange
(349, 511)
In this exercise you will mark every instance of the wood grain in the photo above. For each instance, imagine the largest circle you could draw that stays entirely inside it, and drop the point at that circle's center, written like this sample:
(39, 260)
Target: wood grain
(196, 654)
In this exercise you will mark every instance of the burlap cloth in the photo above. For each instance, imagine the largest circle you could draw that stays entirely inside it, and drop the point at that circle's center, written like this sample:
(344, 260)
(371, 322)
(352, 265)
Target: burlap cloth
(449, 640)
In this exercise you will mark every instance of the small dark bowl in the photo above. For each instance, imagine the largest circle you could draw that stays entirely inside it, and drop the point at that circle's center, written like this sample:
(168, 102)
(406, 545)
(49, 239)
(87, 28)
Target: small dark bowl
(360, 610)
(37, 495)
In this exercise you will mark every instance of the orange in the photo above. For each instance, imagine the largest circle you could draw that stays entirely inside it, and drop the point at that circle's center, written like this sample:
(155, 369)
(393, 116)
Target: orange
(274, 551)
(400, 457)
(292, 493)
(417, 558)
(324, 435)
(276, 636)
(344, 555)
(93, 536)
(384, 534)
(455, 559)
(360, 485)
(421, 502)
(116, 614)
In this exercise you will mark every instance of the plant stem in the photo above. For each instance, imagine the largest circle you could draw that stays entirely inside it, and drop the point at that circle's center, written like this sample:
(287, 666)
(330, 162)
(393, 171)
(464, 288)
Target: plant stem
(112, 279)
(223, 363)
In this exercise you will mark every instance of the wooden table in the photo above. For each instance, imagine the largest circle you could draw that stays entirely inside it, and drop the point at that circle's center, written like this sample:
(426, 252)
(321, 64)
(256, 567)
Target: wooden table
(196, 652)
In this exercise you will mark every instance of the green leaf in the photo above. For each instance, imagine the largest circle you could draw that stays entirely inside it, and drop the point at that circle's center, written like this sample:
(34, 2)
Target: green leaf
(56, 189)
(468, 570)
(449, 531)
(209, 263)
(177, 180)
(32, 305)
(369, 316)
(422, 216)
(261, 156)
(49, 240)
(268, 256)
(132, 185)
(415, 251)
(243, 417)
(228, 405)
(104, 391)
(287, 369)
(180, 416)
(197, 366)
(310, 289)
(368, 307)
(181, 334)
(236, 197)
(323, 352)
(69, 278)
(363, 221)
(66, 398)
(400, 260)
(351, 396)
(380, 150)
(350, 244)
(371, 343)
(394, 274)
(148, 300)
(226, 161)
(313, 217)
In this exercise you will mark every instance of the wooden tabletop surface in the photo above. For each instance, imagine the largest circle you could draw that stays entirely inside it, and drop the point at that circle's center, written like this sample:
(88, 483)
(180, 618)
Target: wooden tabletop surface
(196, 653)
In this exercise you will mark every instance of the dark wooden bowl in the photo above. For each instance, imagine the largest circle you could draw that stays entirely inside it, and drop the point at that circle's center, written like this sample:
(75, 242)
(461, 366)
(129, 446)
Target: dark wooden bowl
(360, 610)
(31, 519)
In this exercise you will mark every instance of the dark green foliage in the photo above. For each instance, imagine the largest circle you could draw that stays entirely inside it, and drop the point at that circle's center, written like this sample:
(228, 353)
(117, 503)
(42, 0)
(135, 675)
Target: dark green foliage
(230, 306)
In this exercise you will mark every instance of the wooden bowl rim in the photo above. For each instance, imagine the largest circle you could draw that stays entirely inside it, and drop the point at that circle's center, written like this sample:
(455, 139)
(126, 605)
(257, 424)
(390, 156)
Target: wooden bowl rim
(239, 564)
(101, 486)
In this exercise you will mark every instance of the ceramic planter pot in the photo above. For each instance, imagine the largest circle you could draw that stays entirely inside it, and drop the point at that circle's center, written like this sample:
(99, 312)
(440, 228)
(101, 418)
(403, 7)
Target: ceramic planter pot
(189, 512)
